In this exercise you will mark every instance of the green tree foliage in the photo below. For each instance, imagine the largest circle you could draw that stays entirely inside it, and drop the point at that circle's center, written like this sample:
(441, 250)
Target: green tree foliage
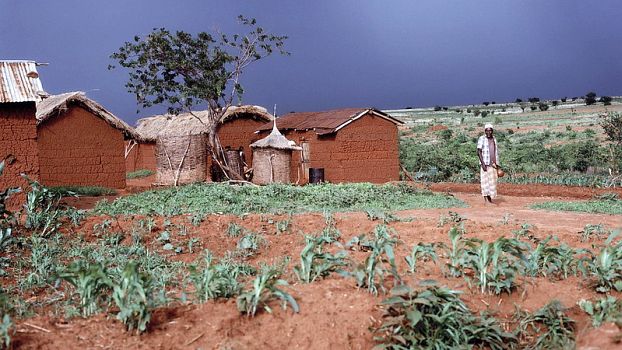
(590, 98)
(181, 70)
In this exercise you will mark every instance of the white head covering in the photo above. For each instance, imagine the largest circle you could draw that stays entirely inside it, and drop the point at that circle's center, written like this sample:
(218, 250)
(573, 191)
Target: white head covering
(488, 126)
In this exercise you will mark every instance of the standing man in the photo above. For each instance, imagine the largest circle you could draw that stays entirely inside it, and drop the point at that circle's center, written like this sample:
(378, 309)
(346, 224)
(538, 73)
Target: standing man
(488, 154)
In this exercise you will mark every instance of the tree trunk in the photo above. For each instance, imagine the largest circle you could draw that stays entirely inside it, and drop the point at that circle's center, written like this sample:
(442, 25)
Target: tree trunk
(217, 154)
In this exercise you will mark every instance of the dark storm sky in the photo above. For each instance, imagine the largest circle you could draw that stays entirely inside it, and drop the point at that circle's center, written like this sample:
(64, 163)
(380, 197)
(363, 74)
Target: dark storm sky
(345, 53)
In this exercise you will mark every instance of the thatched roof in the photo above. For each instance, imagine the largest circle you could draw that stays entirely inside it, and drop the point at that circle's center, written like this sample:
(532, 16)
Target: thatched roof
(55, 105)
(188, 124)
(275, 140)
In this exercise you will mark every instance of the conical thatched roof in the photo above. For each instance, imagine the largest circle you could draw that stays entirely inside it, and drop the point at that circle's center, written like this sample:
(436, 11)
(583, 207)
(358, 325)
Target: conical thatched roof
(55, 105)
(275, 140)
(192, 124)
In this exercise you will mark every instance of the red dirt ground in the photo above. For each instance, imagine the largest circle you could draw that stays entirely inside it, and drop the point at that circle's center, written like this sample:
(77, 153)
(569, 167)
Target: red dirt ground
(334, 314)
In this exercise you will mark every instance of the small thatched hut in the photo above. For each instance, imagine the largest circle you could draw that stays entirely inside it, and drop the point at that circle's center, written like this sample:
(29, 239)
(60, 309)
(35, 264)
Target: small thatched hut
(236, 132)
(80, 142)
(273, 156)
(351, 145)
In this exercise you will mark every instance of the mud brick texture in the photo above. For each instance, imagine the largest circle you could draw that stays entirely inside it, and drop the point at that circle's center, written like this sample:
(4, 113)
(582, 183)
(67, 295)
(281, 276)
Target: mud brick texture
(78, 148)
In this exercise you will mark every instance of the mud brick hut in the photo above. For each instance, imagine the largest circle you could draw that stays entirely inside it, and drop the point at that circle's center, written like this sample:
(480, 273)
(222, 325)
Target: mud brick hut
(20, 89)
(80, 142)
(237, 131)
(351, 145)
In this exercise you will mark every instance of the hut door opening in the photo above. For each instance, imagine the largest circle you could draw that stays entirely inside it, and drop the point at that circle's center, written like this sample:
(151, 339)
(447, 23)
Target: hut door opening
(306, 159)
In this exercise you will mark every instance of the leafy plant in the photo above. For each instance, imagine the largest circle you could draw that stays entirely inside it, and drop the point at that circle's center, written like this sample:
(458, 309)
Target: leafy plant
(379, 263)
(214, 281)
(132, 293)
(552, 260)
(436, 318)
(42, 209)
(91, 281)
(265, 288)
(608, 309)
(250, 243)
(315, 263)
(591, 230)
(547, 328)
(421, 251)
(234, 230)
(496, 264)
(330, 232)
(606, 267)
(457, 252)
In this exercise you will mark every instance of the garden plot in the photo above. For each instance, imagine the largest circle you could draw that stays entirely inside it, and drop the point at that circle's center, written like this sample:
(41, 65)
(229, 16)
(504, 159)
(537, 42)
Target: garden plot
(349, 277)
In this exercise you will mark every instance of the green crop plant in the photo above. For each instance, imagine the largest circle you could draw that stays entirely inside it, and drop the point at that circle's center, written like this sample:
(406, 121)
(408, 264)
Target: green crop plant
(606, 267)
(608, 309)
(43, 264)
(315, 263)
(234, 230)
(284, 225)
(276, 198)
(547, 260)
(496, 264)
(6, 217)
(330, 231)
(6, 330)
(265, 288)
(42, 209)
(436, 318)
(379, 263)
(591, 230)
(132, 293)
(91, 282)
(421, 251)
(546, 328)
(525, 231)
(452, 217)
(212, 281)
(385, 217)
(249, 244)
(457, 252)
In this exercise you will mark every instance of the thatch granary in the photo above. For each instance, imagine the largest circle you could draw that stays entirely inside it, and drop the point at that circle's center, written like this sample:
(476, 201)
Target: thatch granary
(273, 155)
(181, 159)
(80, 142)
(20, 89)
(351, 145)
(236, 132)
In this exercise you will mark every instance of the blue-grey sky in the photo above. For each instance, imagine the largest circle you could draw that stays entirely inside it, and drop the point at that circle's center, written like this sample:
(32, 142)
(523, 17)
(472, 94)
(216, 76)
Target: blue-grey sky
(344, 53)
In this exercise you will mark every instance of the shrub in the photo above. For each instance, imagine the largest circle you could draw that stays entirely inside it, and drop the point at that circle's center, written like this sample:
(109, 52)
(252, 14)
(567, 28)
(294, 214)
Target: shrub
(133, 295)
(590, 98)
(265, 288)
(91, 281)
(436, 318)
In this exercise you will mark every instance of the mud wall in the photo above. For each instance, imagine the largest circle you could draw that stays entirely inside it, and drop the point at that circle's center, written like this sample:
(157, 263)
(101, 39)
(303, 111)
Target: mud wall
(18, 147)
(79, 148)
(142, 156)
(237, 133)
(366, 150)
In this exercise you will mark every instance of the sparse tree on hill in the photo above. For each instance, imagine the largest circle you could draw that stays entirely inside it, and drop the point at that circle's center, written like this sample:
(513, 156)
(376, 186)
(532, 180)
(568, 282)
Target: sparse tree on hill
(181, 71)
(543, 106)
(555, 103)
(486, 103)
(606, 100)
(522, 106)
(518, 100)
(534, 99)
(590, 98)
(564, 99)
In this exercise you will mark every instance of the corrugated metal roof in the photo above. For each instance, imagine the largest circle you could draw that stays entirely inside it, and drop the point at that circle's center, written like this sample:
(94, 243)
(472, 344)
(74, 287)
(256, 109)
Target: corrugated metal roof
(325, 122)
(19, 82)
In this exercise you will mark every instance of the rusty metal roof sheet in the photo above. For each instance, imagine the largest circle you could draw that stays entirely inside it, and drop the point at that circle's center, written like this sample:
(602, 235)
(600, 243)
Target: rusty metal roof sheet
(326, 122)
(19, 82)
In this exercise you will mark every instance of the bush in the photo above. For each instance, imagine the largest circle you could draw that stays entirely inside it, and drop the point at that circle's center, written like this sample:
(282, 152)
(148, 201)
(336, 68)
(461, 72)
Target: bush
(590, 98)
(543, 106)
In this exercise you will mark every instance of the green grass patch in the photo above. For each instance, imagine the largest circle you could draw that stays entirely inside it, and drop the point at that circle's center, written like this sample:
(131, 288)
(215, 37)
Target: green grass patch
(277, 198)
(92, 191)
(139, 174)
(596, 206)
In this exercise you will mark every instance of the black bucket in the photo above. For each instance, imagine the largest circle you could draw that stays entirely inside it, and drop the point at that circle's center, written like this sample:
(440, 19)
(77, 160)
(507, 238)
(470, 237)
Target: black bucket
(316, 175)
